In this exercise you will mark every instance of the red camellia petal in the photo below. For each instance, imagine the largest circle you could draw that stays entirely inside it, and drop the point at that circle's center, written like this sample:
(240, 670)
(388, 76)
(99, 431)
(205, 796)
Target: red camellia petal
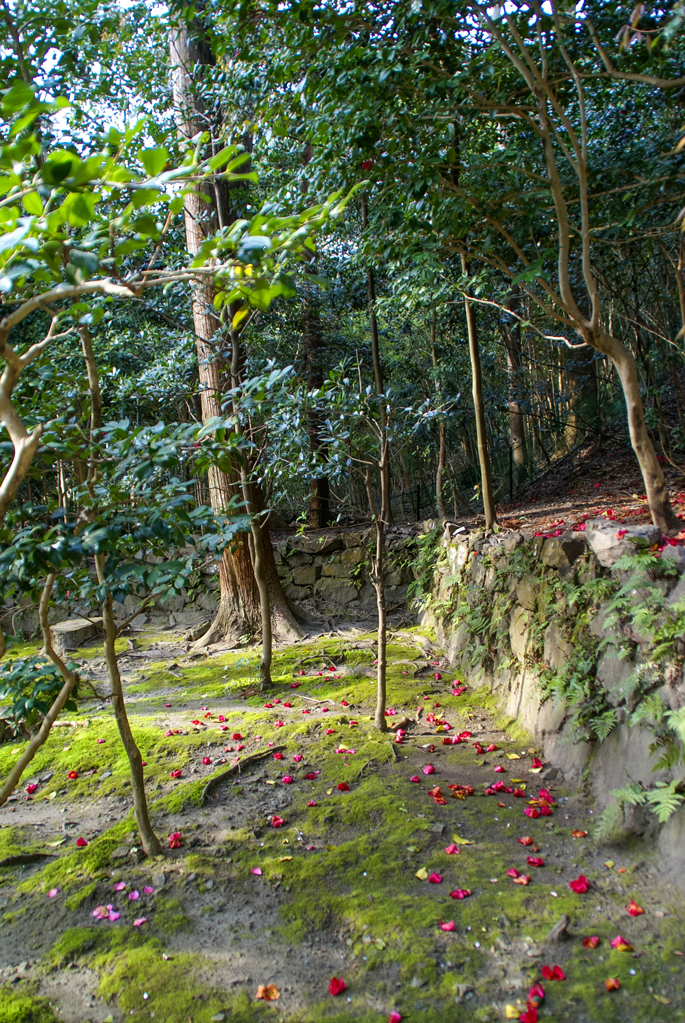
(206, 760)
(591, 942)
(452, 850)
(526, 840)
(531, 811)
(81, 843)
(30, 789)
(512, 872)
(612, 984)
(621, 945)
(536, 995)
(460, 893)
(310, 777)
(448, 926)
(429, 769)
(435, 878)
(535, 861)
(634, 909)
(311, 802)
(530, 1015)
(394, 1017)
(580, 885)
(415, 777)
(522, 879)
(287, 779)
(175, 840)
(491, 748)
(176, 774)
(337, 985)
(537, 764)
(499, 769)
(343, 787)
(73, 775)
(276, 821)
(278, 756)
(553, 973)
(237, 736)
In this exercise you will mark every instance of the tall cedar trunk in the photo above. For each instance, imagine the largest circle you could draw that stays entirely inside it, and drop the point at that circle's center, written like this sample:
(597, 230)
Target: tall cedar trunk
(239, 611)
(517, 426)
(386, 511)
(479, 410)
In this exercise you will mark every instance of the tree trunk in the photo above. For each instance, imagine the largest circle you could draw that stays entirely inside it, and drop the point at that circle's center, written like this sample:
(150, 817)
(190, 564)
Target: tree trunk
(479, 411)
(378, 579)
(517, 426)
(655, 485)
(582, 376)
(151, 843)
(239, 612)
(386, 511)
(442, 428)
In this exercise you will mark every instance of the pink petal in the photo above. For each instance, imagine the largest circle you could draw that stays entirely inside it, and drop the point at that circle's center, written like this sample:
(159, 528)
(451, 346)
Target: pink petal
(113, 915)
(140, 921)
(148, 889)
(52, 893)
(257, 871)
(119, 886)
(134, 896)
(448, 926)
(429, 769)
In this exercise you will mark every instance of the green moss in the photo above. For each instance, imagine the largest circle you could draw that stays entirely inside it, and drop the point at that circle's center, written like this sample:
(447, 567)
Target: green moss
(21, 1005)
(170, 918)
(76, 900)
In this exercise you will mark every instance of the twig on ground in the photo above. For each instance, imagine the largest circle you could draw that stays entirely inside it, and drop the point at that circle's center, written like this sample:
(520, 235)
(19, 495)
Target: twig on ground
(237, 769)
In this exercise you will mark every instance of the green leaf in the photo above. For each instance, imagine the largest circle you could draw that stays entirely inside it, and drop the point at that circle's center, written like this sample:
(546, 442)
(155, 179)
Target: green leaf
(154, 160)
(32, 204)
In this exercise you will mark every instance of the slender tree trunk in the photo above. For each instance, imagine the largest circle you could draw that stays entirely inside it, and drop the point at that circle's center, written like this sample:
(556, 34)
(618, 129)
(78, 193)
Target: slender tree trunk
(151, 843)
(652, 474)
(378, 579)
(442, 429)
(582, 376)
(479, 410)
(386, 511)
(517, 426)
(259, 563)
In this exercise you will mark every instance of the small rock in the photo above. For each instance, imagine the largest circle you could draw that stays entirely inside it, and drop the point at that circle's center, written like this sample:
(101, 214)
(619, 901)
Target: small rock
(559, 930)
(46, 777)
(191, 877)
(417, 982)
(104, 775)
(209, 885)
(158, 880)
(136, 854)
(437, 829)
(463, 990)
(120, 853)
(219, 1017)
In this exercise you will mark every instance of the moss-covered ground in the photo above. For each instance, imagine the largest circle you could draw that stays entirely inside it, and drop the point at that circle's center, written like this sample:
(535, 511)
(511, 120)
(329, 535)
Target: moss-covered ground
(341, 887)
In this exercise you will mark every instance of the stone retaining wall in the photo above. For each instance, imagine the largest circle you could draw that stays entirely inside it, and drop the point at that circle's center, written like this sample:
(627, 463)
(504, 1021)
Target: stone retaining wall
(491, 614)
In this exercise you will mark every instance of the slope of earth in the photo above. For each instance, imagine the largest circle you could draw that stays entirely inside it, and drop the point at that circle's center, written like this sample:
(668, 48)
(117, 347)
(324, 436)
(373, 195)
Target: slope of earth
(329, 851)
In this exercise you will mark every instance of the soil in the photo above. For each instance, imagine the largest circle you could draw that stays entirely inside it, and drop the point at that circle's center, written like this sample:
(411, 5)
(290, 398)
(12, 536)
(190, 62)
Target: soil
(341, 886)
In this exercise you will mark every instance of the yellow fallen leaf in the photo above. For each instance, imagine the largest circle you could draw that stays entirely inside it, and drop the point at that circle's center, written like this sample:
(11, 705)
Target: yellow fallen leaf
(513, 756)
(520, 782)
(511, 1012)
(461, 841)
(53, 845)
(330, 847)
(269, 992)
(516, 781)
(422, 874)
(661, 1000)
(328, 791)
(609, 863)
(284, 859)
(379, 943)
(269, 781)
(535, 770)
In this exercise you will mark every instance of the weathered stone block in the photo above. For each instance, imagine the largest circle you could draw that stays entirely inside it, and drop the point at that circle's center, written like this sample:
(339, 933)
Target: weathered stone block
(604, 540)
(558, 552)
(527, 592)
(353, 556)
(315, 544)
(305, 575)
(519, 632)
(335, 570)
(557, 649)
(336, 591)
(298, 593)
(298, 558)
(72, 634)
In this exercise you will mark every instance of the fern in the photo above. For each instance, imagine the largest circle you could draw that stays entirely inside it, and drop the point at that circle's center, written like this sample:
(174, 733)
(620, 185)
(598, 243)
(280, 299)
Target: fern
(604, 724)
(664, 799)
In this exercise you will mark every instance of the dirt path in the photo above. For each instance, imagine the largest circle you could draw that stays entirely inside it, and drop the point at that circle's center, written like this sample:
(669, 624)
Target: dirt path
(342, 887)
